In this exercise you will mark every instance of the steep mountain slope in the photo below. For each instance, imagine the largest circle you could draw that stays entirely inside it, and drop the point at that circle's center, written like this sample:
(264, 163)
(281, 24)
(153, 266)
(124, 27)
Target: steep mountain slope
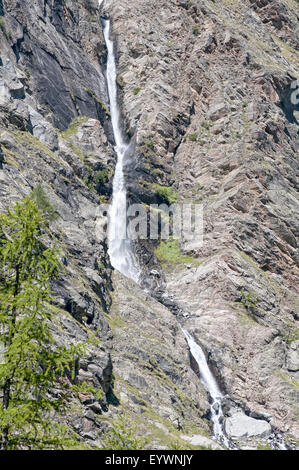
(214, 83)
(207, 94)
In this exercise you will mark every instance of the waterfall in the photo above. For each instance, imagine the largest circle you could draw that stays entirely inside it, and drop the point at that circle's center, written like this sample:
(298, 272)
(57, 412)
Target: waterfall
(209, 382)
(120, 248)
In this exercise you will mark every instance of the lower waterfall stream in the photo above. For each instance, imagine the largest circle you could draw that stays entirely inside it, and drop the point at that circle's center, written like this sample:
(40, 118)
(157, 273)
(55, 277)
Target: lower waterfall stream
(211, 386)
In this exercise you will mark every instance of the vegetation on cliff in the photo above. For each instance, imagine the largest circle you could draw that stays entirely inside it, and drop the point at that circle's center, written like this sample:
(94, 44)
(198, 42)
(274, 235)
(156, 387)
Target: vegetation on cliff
(31, 365)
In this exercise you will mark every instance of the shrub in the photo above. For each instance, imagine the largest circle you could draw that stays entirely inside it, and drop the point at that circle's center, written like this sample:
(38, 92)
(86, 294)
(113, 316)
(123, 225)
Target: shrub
(120, 81)
(165, 194)
(149, 144)
(206, 125)
(248, 299)
(39, 196)
(193, 137)
(32, 365)
(195, 30)
(148, 148)
(136, 91)
(101, 177)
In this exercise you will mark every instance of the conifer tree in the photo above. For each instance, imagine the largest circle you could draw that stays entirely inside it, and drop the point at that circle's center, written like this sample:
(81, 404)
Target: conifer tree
(31, 365)
(39, 196)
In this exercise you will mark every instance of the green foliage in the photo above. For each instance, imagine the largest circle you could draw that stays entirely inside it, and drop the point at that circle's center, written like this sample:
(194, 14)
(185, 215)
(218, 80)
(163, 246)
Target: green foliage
(248, 299)
(122, 436)
(101, 177)
(73, 127)
(103, 199)
(180, 445)
(87, 388)
(195, 30)
(91, 19)
(39, 196)
(290, 380)
(150, 144)
(136, 91)
(206, 125)
(2, 24)
(31, 364)
(165, 194)
(292, 334)
(168, 252)
(148, 148)
(193, 137)
(90, 184)
(120, 81)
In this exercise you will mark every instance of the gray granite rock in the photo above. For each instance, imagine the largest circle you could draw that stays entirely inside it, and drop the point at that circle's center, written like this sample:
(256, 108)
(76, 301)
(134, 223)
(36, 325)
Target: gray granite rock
(240, 426)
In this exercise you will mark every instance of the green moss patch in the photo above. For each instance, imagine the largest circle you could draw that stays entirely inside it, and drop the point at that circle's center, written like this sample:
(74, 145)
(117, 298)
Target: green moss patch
(73, 127)
(168, 253)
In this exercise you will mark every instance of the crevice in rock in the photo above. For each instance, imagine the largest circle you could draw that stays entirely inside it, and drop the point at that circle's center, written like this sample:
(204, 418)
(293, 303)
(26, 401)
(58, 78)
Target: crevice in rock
(17, 48)
(288, 92)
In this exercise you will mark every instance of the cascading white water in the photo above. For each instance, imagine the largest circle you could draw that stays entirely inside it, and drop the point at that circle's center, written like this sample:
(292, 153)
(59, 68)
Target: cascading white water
(120, 249)
(210, 384)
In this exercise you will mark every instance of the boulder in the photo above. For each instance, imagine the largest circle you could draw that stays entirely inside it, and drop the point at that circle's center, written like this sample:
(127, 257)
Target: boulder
(240, 426)
(293, 357)
(217, 111)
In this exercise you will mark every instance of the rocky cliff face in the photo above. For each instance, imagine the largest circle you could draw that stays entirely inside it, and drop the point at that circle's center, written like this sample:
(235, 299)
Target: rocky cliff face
(206, 90)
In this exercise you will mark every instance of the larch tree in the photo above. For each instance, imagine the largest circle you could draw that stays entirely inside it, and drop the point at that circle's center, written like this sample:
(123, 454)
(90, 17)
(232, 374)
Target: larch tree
(31, 365)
